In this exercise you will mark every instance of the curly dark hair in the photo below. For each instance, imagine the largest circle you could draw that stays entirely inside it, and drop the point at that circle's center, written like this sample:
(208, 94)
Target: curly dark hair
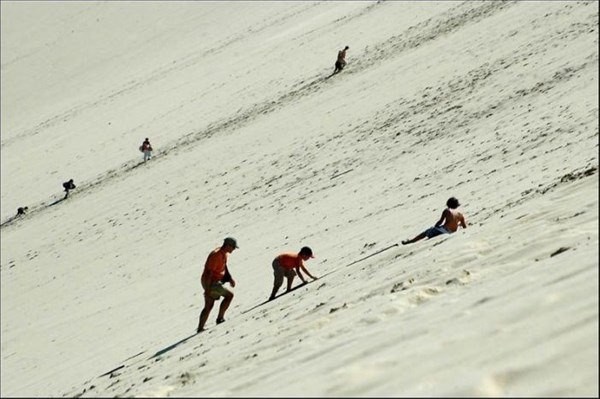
(452, 203)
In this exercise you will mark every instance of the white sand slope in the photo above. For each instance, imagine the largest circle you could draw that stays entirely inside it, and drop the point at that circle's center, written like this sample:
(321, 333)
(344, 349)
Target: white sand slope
(495, 103)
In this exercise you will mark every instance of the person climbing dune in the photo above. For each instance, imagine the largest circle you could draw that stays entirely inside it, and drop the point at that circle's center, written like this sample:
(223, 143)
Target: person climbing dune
(146, 148)
(340, 63)
(288, 265)
(215, 274)
(67, 186)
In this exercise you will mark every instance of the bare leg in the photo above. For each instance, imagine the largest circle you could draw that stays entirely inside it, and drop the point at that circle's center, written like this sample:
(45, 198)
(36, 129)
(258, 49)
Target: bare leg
(224, 305)
(208, 305)
(275, 288)
(277, 280)
(336, 69)
(415, 239)
(289, 282)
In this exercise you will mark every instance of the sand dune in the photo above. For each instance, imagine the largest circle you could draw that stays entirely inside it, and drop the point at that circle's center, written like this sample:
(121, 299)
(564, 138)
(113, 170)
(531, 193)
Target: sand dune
(495, 103)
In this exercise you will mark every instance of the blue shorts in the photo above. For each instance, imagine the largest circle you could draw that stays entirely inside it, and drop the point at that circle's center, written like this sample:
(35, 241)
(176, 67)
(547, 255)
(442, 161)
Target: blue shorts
(435, 231)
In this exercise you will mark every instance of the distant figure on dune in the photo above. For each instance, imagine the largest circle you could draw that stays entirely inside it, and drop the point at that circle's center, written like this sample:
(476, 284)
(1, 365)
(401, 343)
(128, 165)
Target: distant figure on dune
(288, 265)
(20, 213)
(146, 148)
(68, 185)
(215, 274)
(449, 222)
(341, 60)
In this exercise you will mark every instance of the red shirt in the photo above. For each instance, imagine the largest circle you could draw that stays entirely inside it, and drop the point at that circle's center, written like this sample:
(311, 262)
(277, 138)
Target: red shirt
(290, 260)
(214, 268)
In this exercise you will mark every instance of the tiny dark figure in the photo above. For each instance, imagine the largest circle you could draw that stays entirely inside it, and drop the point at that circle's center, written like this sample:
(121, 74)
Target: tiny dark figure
(341, 60)
(68, 185)
(146, 148)
(21, 210)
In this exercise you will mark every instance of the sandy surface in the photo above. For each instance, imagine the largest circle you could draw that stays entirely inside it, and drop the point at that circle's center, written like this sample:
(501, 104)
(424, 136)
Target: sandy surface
(495, 103)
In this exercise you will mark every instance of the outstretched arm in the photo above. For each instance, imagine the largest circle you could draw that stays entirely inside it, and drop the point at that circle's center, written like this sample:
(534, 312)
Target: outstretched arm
(300, 274)
(307, 273)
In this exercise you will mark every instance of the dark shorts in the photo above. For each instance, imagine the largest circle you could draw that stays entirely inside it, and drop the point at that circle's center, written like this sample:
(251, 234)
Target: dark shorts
(339, 64)
(436, 231)
(280, 272)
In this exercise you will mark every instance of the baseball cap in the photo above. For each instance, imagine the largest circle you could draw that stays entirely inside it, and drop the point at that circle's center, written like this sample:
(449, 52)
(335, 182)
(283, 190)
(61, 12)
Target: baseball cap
(230, 241)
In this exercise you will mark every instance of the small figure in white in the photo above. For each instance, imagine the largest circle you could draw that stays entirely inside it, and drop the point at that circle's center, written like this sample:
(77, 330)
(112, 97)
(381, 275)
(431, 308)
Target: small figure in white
(146, 148)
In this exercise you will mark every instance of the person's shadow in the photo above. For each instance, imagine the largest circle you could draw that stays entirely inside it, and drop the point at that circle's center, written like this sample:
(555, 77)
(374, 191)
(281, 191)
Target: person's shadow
(58, 201)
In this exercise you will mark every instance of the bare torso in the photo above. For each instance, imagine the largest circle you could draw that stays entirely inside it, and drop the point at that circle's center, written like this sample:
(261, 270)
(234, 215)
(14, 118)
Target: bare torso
(453, 219)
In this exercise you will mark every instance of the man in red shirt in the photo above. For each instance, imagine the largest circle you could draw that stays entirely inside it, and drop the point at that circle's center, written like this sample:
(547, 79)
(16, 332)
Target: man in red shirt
(288, 264)
(214, 276)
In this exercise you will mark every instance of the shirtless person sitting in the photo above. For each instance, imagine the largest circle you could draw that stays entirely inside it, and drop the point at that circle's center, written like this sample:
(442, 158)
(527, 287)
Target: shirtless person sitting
(451, 219)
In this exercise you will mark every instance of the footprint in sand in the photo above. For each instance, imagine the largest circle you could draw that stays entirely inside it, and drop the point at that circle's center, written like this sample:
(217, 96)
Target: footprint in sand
(402, 285)
(423, 295)
(462, 280)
